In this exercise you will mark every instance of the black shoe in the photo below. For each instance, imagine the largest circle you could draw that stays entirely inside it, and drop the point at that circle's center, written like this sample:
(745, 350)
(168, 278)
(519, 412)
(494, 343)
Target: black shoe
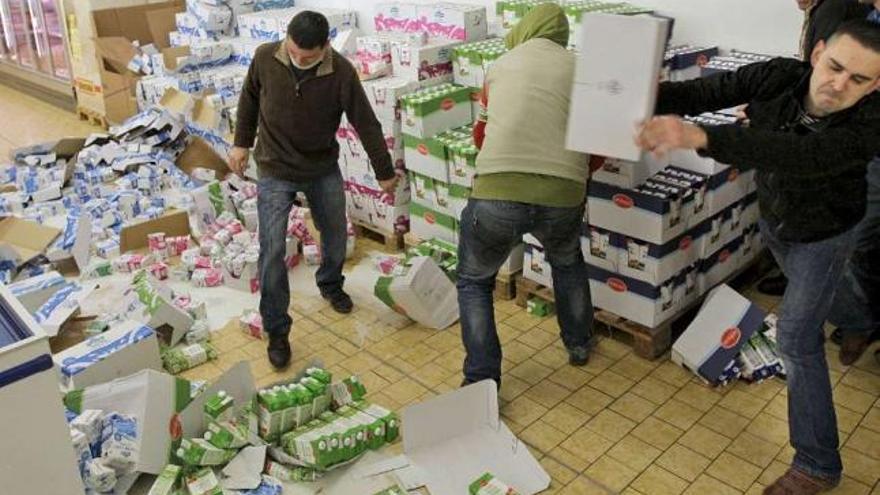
(279, 352)
(340, 301)
(578, 356)
(773, 285)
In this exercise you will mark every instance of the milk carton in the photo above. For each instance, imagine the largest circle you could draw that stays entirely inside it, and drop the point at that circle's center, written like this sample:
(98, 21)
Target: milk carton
(428, 64)
(457, 22)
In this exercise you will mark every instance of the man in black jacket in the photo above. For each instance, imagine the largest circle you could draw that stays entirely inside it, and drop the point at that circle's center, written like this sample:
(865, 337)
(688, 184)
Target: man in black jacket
(814, 128)
(822, 17)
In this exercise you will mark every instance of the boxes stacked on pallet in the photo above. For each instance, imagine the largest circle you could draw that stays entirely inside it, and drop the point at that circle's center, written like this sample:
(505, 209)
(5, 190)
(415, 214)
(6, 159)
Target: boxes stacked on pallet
(661, 234)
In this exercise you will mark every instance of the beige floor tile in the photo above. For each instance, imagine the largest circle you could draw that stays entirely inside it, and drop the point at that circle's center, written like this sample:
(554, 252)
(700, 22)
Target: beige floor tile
(587, 445)
(633, 367)
(705, 485)
(725, 422)
(773, 472)
(683, 462)
(542, 436)
(755, 489)
(612, 349)
(743, 404)
(849, 486)
(584, 486)
(518, 352)
(598, 363)
(860, 467)
(531, 372)
(657, 433)
(570, 459)
(853, 398)
(611, 383)
(847, 420)
(538, 339)
(678, 414)
(672, 374)
(405, 390)
(512, 387)
(566, 418)
(871, 420)
(611, 425)
(769, 429)
(698, 396)
(559, 472)
(765, 390)
(523, 410)
(754, 449)
(553, 357)
(547, 393)
(865, 441)
(658, 481)
(451, 360)
(611, 473)
(862, 380)
(431, 375)
(522, 321)
(734, 471)
(507, 334)
(634, 453)
(633, 407)
(589, 400)
(778, 407)
(704, 441)
(571, 377)
(654, 390)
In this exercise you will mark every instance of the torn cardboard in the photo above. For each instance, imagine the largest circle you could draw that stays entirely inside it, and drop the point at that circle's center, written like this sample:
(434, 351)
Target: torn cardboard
(173, 223)
(200, 154)
(23, 240)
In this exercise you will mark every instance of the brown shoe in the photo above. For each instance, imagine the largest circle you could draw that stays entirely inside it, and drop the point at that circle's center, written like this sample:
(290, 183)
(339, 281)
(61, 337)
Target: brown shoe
(853, 345)
(797, 482)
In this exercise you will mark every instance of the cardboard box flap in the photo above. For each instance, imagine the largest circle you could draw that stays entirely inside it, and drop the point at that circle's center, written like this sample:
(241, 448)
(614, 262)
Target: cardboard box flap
(206, 115)
(134, 236)
(162, 21)
(171, 55)
(237, 382)
(454, 438)
(116, 52)
(67, 148)
(23, 240)
(199, 153)
(177, 101)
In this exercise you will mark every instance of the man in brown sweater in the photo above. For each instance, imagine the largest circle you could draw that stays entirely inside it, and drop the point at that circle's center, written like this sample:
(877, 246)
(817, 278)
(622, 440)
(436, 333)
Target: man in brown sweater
(293, 98)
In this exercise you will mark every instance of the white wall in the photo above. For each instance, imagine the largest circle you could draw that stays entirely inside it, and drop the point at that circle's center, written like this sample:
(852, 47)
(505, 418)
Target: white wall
(766, 26)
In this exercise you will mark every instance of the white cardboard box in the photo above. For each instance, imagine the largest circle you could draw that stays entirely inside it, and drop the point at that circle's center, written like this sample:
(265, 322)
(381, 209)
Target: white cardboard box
(636, 214)
(61, 306)
(628, 174)
(603, 248)
(615, 84)
(428, 64)
(635, 300)
(536, 267)
(720, 265)
(35, 291)
(453, 439)
(725, 322)
(456, 22)
(424, 293)
(657, 263)
(426, 223)
(124, 349)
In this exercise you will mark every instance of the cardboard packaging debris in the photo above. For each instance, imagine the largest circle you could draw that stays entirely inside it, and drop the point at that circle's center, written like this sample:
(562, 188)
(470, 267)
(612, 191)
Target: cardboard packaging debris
(424, 293)
(23, 240)
(613, 90)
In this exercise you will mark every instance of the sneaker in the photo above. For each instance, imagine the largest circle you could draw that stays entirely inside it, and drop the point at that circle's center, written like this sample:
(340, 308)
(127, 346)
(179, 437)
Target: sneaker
(773, 285)
(854, 344)
(578, 356)
(340, 301)
(279, 352)
(797, 482)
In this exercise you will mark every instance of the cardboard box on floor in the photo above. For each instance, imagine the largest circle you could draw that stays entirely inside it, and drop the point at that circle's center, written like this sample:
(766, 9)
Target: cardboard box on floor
(102, 81)
(453, 439)
(174, 223)
(163, 407)
(199, 153)
(23, 240)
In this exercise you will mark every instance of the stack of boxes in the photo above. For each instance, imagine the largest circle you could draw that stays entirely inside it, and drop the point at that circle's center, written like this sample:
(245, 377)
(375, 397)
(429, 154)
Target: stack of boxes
(271, 25)
(685, 62)
(663, 233)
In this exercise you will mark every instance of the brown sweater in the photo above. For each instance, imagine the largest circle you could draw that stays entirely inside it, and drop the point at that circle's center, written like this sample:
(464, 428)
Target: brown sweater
(298, 120)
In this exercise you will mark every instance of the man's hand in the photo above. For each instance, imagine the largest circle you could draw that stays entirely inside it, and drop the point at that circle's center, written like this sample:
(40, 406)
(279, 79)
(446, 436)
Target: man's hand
(389, 185)
(660, 135)
(238, 160)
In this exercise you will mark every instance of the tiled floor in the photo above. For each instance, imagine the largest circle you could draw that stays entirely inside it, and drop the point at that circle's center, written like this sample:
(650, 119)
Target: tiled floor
(621, 424)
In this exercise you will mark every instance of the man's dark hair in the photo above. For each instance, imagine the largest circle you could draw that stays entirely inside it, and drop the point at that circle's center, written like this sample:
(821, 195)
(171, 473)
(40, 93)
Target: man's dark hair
(309, 30)
(865, 32)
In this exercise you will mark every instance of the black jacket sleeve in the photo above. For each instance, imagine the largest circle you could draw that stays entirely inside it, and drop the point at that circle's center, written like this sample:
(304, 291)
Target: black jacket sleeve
(248, 108)
(360, 113)
(721, 91)
(816, 155)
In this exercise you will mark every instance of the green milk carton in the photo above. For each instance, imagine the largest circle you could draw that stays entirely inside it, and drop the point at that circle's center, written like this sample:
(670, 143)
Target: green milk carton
(270, 411)
(392, 422)
(320, 374)
(320, 393)
(166, 481)
(226, 435)
(219, 407)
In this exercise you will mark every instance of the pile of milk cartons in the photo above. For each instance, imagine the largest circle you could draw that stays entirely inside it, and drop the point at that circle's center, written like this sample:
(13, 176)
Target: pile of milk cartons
(732, 62)
(271, 25)
(663, 233)
(107, 449)
(211, 19)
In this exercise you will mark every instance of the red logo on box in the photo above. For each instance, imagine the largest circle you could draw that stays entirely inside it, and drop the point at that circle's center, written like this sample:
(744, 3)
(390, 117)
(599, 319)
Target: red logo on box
(702, 60)
(175, 428)
(723, 256)
(732, 176)
(623, 201)
(475, 96)
(447, 104)
(685, 243)
(422, 149)
(430, 218)
(617, 285)
(730, 338)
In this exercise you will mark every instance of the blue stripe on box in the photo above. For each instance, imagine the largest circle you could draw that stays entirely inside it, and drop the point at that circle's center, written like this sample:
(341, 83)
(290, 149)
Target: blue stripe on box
(599, 190)
(749, 323)
(731, 248)
(25, 370)
(620, 283)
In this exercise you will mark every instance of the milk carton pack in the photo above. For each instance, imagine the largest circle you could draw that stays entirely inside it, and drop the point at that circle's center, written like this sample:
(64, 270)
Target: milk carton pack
(436, 109)
(424, 293)
(535, 265)
(373, 57)
(457, 22)
(626, 174)
(400, 17)
(376, 208)
(469, 61)
(638, 301)
(655, 263)
(724, 324)
(385, 94)
(720, 265)
(426, 223)
(428, 64)
(461, 158)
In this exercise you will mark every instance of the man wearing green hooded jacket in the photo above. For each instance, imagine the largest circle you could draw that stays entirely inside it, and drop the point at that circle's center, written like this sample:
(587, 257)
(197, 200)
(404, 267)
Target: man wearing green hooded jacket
(526, 182)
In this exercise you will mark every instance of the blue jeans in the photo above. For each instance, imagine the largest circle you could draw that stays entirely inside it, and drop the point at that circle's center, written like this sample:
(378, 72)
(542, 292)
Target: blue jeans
(813, 271)
(853, 309)
(275, 199)
(489, 231)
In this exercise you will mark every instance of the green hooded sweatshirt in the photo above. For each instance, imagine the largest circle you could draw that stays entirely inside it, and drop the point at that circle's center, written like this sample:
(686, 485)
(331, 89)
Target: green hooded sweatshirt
(523, 158)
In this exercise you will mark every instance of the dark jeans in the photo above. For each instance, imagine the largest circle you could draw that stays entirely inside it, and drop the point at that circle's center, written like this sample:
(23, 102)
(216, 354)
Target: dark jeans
(855, 306)
(813, 271)
(489, 231)
(326, 198)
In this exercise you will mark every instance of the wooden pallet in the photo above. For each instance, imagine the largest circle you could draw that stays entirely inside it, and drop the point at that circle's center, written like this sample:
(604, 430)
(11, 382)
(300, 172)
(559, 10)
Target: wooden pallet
(393, 241)
(92, 118)
(649, 343)
(505, 285)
